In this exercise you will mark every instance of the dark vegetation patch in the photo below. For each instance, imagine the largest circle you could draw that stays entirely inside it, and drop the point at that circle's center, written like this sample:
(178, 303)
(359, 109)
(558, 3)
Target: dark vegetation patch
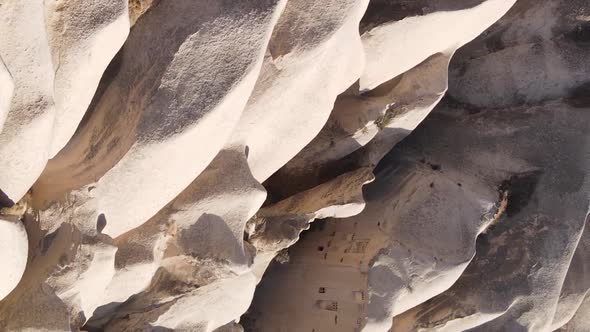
(391, 113)
(520, 188)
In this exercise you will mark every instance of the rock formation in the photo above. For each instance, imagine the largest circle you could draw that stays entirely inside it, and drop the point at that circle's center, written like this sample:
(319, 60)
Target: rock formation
(294, 165)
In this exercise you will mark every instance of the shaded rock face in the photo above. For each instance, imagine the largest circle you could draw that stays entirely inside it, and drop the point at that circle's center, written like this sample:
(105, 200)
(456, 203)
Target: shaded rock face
(476, 221)
(276, 165)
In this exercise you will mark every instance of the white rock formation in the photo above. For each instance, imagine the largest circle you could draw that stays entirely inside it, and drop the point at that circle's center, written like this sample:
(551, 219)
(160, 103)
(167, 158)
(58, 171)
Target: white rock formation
(13, 252)
(315, 54)
(192, 165)
(419, 37)
(466, 170)
(56, 53)
(6, 90)
(26, 136)
(83, 40)
(159, 102)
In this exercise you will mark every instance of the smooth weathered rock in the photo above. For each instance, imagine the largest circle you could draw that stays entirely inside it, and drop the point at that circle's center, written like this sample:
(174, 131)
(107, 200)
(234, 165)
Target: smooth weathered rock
(477, 167)
(27, 132)
(418, 37)
(575, 288)
(341, 197)
(66, 274)
(538, 284)
(315, 53)
(404, 91)
(156, 103)
(6, 90)
(447, 205)
(386, 240)
(535, 53)
(13, 253)
(83, 39)
(56, 64)
(545, 214)
(276, 227)
(202, 309)
(207, 157)
(196, 239)
(83, 214)
(579, 321)
(363, 128)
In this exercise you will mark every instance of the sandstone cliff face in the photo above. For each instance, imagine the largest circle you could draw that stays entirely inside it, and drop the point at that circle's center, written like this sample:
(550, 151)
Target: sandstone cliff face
(294, 165)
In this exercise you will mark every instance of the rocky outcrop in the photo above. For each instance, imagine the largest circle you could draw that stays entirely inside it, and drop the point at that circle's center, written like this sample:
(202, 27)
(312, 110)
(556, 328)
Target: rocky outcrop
(474, 222)
(227, 166)
(56, 53)
(14, 253)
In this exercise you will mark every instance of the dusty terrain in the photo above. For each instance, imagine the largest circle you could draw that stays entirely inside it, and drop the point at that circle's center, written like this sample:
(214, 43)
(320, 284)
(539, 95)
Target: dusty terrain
(294, 165)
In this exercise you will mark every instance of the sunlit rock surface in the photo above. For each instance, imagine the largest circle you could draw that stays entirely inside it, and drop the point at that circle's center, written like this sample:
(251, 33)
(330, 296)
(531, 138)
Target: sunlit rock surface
(294, 165)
